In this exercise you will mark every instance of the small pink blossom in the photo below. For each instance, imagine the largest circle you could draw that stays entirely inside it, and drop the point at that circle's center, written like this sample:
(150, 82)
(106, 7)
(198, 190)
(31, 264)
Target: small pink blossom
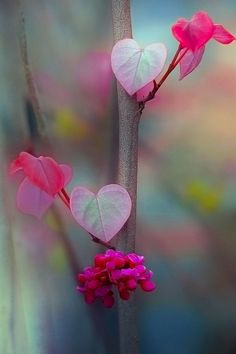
(114, 269)
(43, 179)
(193, 35)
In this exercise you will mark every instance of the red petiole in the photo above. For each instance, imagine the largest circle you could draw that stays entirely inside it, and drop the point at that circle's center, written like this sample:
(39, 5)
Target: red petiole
(175, 61)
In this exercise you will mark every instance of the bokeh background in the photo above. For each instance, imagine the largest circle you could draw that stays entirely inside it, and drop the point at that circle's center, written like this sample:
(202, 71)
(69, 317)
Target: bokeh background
(186, 192)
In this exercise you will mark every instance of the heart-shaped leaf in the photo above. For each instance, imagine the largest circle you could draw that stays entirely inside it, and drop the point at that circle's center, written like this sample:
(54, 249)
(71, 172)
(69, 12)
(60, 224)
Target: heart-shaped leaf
(67, 172)
(135, 67)
(43, 171)
(103, 214)
(194, 33)
(33, 200)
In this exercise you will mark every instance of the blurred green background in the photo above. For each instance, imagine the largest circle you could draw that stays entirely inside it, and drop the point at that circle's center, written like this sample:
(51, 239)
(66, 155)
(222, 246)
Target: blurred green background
(186, 192)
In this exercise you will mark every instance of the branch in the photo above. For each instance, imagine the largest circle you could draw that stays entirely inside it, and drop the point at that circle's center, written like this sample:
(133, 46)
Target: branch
(127, 174)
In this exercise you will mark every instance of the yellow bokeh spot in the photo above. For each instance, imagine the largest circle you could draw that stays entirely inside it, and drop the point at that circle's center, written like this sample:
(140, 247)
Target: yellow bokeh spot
(57, 258)
(67, 124)
(194, 190)
(211, 201)
(204, 196)
(52, 222)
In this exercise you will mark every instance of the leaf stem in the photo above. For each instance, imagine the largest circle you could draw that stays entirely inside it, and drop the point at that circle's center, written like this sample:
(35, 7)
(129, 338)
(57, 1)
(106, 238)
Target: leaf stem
(64, 193)
(65, 201)
(103, 243)
(156, 86)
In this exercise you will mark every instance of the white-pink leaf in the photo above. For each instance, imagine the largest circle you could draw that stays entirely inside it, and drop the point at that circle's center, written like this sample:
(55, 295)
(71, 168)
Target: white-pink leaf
(33, 200)
(103, 214)
(135, 67)
(190, 61)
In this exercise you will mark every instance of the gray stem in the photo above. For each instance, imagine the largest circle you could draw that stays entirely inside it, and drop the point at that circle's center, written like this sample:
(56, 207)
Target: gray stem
(127, 175)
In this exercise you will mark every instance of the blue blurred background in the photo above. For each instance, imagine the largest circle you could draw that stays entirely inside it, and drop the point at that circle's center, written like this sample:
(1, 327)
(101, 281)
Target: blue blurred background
(186, 182)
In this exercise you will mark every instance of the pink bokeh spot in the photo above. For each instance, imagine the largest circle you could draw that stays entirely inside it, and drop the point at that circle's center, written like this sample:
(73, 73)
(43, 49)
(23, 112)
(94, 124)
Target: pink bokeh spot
(94, 75)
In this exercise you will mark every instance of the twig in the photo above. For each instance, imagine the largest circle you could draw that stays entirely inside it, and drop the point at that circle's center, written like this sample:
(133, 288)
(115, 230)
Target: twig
(102, 243)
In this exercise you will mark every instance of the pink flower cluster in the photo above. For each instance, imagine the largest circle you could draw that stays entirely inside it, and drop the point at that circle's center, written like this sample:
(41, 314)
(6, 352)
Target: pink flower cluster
(114, 269)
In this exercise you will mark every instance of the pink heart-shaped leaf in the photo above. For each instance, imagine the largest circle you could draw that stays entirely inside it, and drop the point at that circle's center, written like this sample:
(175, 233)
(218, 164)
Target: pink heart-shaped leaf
(32, 200)
(194, 33)
(42, 171)
(135, 67)
(67, 171)
(103, 214)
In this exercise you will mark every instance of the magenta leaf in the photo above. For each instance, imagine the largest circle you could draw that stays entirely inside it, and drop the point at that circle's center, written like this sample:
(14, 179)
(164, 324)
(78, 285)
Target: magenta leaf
(135, 67)
(15, 166)
(67, 171)
(103, 214)
(190, 61)
(194, 33)
(222, 35)
(33, 200)
(44, 172)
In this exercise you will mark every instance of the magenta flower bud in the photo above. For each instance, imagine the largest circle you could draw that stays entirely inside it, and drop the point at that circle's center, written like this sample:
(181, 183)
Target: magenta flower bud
(147, 285)
(131, 284)
(108, 300)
